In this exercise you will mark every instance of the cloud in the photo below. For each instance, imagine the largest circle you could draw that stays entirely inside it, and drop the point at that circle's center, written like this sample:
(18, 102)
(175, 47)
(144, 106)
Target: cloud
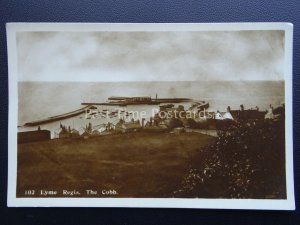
(150, 56)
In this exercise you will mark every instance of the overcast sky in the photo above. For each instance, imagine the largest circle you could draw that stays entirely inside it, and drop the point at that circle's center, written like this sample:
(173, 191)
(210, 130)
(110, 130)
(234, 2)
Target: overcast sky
(150, 56)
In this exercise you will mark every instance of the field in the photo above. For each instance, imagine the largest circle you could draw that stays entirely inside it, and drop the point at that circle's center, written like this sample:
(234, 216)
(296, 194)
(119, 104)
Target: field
(122, 165)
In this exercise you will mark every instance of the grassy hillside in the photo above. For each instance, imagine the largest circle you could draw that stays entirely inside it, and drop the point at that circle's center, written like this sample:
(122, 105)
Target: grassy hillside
(134, 165)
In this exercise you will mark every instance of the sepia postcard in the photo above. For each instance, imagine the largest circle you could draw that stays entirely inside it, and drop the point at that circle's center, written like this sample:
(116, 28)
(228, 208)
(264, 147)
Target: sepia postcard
(150, 115)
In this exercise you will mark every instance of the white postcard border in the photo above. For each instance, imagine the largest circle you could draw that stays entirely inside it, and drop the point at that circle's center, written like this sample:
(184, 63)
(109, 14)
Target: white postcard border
(13, 201)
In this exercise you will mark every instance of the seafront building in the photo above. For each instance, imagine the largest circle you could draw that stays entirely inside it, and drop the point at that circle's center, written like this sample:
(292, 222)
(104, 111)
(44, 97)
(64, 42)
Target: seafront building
(94, 120)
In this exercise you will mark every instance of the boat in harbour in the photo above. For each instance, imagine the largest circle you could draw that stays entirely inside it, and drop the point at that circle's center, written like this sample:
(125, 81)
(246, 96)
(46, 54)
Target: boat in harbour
(140, 100)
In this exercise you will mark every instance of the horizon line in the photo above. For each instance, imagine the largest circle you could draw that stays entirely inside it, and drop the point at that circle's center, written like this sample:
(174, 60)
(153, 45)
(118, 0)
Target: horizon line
(86, 81)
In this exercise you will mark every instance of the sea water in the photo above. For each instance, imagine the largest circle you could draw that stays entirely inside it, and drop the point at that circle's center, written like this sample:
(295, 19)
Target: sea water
(40, 100)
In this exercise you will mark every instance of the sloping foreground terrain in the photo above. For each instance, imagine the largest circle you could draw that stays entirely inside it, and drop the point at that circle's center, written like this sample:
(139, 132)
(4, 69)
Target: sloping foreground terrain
(122, 165)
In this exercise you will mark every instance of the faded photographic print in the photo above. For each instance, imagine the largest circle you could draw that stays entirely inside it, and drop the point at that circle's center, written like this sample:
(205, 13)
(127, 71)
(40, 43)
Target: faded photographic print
(151, 115)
